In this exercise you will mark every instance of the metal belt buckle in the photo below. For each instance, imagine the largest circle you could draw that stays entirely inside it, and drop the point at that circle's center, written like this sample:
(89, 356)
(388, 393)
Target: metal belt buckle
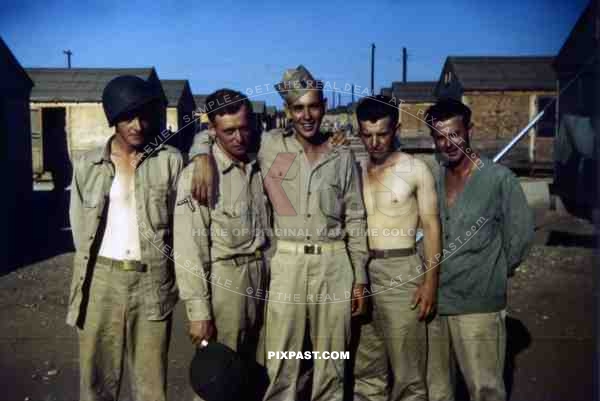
(238, 260)
(133, 265)
(127, 265)
(312, 249)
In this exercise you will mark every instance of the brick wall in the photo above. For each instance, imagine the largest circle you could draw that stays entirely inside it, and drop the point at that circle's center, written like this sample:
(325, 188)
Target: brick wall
(412, 116)
(499, 116)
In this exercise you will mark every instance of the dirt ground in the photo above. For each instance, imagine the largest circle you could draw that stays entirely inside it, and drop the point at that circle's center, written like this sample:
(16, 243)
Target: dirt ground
(550, 341)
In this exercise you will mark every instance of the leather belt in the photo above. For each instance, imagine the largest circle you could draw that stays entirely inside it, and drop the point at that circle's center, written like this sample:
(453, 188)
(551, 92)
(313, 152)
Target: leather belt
(241, 259)
(310, 249)
(391, 253)
(125, 265)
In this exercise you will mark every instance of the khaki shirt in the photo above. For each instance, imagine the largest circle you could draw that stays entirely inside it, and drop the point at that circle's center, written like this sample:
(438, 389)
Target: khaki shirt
(235, 225)
(311, 204)
(155, 185)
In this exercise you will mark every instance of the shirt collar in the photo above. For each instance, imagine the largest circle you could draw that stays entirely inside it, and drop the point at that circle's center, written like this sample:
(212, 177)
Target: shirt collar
(226, 163)
(296, 146)
(102, 154)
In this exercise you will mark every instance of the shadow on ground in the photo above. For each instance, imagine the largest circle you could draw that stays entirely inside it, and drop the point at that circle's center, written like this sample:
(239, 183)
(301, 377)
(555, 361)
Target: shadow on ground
(46, 230)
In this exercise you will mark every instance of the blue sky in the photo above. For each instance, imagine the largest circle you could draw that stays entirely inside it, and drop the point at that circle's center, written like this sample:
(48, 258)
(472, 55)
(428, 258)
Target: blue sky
(245, 44)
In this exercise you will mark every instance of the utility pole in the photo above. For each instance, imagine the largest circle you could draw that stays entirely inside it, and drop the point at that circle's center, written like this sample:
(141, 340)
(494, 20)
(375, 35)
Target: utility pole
(404, 57)
(339, 99)
(372, 68)
(352, 93)
(68, 53)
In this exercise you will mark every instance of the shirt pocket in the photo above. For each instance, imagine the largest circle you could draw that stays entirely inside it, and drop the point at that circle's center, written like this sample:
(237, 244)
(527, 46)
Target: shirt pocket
(284, 167)
(235, 226)
(331, 201)
(92, 211)
(157, 207)
(283, 184)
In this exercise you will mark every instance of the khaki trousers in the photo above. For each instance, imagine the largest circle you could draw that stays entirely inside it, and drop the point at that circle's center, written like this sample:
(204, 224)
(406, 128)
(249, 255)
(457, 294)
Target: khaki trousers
(392, 347)
(308, 293)
(478, 343)
(237, 310)
(237, 298)
(116, 330)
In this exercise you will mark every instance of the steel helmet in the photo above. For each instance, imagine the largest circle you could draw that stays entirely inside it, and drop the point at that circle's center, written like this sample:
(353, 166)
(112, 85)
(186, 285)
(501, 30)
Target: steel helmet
(126, 93)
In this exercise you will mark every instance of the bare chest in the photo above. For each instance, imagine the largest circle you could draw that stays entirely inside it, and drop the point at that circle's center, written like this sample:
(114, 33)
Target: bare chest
(388, 194)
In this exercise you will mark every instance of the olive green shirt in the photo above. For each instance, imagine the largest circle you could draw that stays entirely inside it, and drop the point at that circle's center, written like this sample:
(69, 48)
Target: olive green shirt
(311, 204)
(487, 232)
(235, 225)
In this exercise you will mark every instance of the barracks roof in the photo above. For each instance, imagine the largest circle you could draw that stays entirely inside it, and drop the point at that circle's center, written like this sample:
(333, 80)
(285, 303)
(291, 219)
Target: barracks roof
(174, 90)
(412, 92)
(200, 100)
(77, 84)
(501, 73)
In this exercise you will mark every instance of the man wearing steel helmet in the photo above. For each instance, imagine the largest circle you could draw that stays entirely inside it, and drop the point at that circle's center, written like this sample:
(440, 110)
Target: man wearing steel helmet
(320, 232)
(123, 289)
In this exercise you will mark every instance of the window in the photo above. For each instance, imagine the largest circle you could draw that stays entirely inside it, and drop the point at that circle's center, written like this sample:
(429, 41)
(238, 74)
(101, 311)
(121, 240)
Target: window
(447, 78)
(546, 126)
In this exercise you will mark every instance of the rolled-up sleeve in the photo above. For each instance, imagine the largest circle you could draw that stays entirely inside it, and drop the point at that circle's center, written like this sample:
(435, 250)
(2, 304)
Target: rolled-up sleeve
(355, 221)
(192, 246)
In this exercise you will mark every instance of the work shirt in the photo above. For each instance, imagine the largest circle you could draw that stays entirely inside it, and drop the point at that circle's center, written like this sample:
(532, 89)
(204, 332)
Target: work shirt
(487, 232)
(317, 203)
(235, 225)
(155, 183)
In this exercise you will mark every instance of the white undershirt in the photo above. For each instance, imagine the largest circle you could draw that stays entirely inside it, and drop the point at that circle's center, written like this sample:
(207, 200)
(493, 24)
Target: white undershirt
(121, 239)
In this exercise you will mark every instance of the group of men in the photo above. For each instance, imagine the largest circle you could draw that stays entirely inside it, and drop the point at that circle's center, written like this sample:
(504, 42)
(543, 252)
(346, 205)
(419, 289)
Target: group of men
(284, 239)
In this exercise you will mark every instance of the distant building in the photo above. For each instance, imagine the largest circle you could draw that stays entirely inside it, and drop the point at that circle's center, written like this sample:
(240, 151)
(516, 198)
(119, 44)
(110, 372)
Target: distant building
(505, 93)
(200, 117)
(259, 109)
(15, 127)
(180, 109)
(67, 114)
(576, 148)
(413, 99)
(271, 117)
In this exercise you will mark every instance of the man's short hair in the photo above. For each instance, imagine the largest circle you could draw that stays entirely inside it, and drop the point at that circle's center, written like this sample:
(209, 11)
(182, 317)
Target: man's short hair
(225, 101)
(374, 108)
(445, 109)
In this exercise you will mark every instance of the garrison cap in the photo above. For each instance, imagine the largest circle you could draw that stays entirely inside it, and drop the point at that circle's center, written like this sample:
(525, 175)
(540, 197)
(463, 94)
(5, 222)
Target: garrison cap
(296, 82)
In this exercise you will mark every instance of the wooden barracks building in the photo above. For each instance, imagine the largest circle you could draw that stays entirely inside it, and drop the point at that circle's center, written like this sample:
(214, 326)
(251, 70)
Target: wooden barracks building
(67, 115)
(505, 93)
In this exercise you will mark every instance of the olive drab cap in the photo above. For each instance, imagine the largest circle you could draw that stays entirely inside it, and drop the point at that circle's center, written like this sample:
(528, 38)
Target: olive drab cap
(126, 93)
(295, 83)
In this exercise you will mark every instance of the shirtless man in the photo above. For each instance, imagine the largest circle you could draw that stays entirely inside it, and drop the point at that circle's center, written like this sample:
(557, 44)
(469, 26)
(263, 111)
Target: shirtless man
(399, 191)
